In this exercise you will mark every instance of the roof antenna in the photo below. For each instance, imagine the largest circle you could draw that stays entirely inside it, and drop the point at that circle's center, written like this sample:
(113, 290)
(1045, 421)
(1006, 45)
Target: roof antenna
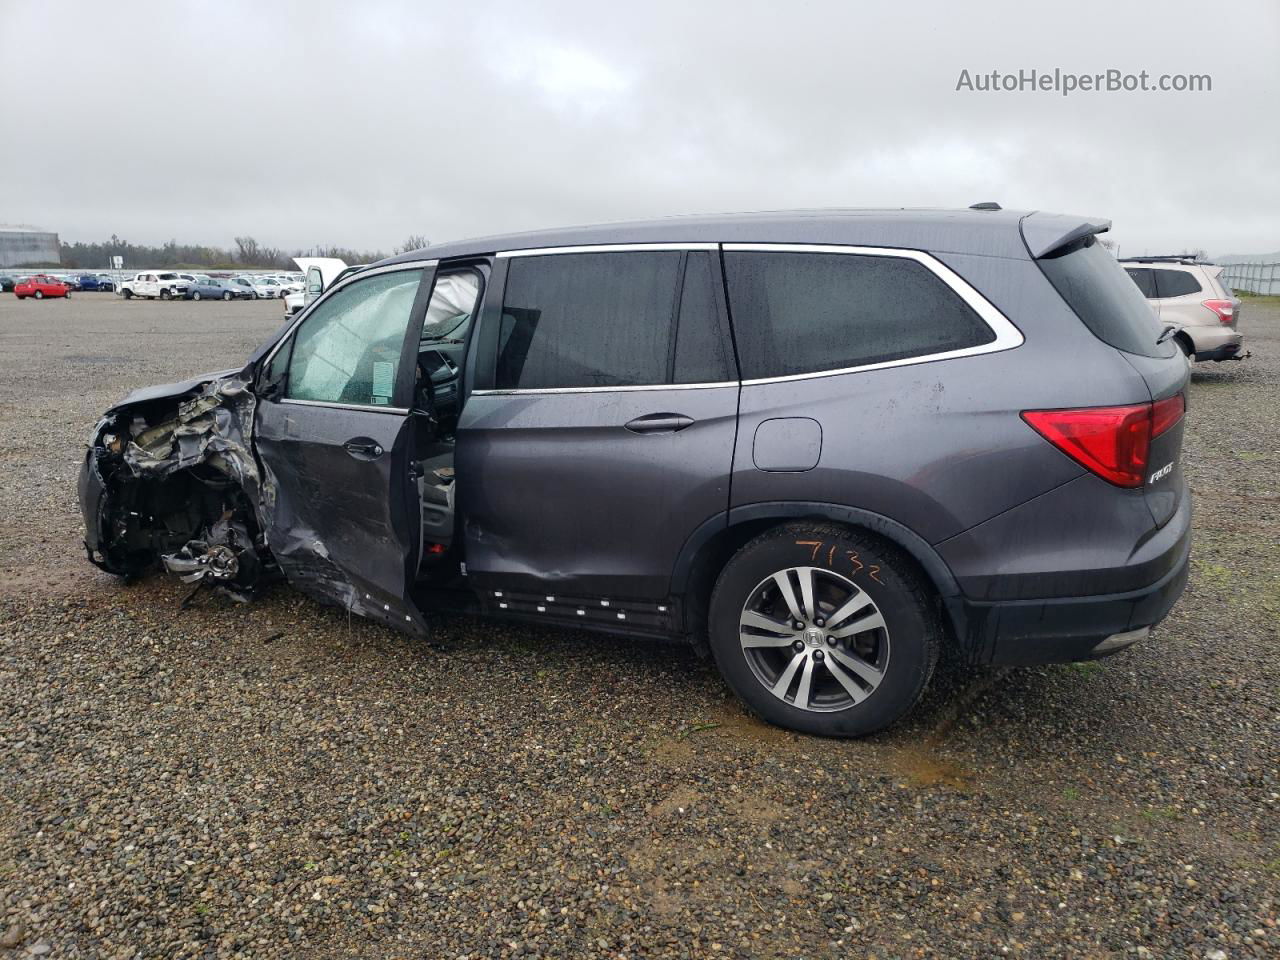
(986, 205)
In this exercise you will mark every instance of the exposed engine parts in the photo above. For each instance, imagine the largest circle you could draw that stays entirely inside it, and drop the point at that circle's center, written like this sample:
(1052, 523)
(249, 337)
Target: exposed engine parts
(175, 483)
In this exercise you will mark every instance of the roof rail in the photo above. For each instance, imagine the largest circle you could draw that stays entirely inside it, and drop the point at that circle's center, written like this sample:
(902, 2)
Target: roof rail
(1167, 258)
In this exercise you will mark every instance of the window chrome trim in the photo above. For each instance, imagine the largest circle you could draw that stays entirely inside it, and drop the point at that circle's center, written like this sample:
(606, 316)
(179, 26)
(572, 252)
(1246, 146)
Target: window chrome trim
(630, 388)
(371, 407)
(360, 275)
(1008, 336)
(607, 248)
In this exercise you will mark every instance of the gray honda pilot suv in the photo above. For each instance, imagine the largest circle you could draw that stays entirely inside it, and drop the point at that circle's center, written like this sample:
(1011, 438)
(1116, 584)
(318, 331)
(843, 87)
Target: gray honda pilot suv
(820, 445)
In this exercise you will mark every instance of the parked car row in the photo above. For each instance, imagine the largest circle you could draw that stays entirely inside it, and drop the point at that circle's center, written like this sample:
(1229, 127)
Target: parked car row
(174, 285)
(82, 281)
(158, 285)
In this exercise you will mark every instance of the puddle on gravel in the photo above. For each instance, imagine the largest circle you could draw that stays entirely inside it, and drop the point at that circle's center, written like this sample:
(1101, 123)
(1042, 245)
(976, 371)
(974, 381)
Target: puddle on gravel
(913, 765)
(923, 768)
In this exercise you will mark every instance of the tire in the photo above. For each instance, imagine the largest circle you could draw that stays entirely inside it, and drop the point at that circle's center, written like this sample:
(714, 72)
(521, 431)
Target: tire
(195, 295)
(128, 294)
(226, 294)
(166, 294)
(885, 663)
(39, 294)
(1185, 345)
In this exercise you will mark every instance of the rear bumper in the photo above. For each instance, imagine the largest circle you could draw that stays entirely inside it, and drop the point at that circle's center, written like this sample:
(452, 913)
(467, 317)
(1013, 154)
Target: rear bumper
(1228, 351)
(1068, 628)
(1214, 343)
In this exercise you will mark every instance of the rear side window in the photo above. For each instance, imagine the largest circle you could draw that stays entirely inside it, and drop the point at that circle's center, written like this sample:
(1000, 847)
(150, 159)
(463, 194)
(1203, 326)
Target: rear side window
(587, 320)
(1097, 289)
(1175, 283)
(1145, 281)
(796, 313)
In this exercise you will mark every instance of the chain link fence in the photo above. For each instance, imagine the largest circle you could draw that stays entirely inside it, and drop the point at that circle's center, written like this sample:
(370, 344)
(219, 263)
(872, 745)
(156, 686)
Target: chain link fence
(1262, 279)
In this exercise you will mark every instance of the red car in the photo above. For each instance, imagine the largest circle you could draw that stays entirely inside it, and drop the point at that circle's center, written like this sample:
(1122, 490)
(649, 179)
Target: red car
(40, 287)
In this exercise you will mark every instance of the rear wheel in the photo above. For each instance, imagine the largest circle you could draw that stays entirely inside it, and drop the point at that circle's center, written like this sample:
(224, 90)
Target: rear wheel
(226, 295)
(823, 630)
(39, 294)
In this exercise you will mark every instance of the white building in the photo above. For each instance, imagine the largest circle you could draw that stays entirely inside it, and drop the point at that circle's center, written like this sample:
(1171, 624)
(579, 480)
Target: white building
(23, 245)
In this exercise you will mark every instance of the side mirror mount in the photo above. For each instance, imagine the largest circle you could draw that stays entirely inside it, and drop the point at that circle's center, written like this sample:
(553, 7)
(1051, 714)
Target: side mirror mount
(272, 390)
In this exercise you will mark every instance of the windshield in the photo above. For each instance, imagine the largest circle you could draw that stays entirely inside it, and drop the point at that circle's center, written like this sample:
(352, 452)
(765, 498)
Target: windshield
(452, 302)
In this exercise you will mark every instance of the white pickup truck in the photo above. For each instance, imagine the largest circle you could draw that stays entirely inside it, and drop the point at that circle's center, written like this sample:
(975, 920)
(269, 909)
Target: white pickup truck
(320, 273)
(153, 284)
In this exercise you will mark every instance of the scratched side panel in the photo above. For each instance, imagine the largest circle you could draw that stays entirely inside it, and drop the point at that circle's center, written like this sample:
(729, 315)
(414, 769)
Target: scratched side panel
(556, 492)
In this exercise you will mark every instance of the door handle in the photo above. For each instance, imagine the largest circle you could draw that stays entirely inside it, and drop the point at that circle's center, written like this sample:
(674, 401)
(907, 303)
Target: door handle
(659, 423)
(362, 448)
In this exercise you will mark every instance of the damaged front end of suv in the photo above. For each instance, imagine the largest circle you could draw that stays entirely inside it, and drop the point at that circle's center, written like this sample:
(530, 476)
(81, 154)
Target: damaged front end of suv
(170, 479)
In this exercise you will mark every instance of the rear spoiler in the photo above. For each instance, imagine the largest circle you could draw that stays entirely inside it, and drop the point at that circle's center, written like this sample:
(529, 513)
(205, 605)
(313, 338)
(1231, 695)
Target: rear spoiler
(1043, 233)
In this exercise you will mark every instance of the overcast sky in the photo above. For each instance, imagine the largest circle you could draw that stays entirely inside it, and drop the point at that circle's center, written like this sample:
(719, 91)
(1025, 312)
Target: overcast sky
(359, 123)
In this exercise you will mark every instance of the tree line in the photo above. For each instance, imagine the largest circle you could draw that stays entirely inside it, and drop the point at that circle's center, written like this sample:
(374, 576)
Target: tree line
(247, 253)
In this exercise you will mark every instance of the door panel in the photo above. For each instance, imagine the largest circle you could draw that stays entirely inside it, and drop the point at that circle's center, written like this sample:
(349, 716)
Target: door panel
(335, 437)
(589, 482)
(557, 492)
(342, 528)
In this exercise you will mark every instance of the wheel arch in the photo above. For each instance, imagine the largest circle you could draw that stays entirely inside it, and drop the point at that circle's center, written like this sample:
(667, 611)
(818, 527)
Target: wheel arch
(710, 546)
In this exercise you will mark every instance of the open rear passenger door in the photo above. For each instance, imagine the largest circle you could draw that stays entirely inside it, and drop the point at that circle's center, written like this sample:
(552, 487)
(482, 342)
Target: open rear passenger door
(335, 433)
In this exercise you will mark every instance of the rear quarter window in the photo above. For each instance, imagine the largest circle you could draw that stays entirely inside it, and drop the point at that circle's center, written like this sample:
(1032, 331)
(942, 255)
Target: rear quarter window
(798, 313)
(1106, 300)
(1175, 283)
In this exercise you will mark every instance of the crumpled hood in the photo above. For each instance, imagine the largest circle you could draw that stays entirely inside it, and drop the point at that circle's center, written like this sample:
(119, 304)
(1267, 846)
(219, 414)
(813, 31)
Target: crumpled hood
(160, 391)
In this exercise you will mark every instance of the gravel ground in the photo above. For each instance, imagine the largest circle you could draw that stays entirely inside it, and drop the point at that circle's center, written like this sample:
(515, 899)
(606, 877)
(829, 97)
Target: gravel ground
(274, 780)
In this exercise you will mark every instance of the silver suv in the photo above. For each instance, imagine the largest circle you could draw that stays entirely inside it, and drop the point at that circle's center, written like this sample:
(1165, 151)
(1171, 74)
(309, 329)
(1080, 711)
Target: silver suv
(1190, 296)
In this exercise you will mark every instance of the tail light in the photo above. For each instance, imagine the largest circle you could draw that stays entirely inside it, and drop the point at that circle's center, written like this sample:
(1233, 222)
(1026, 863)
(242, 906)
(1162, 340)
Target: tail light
(1222, 308)
(1112, 442)
(1167, 412)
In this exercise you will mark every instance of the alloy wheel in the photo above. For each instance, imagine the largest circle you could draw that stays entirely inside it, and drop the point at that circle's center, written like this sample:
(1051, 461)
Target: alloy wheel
(814, 639)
